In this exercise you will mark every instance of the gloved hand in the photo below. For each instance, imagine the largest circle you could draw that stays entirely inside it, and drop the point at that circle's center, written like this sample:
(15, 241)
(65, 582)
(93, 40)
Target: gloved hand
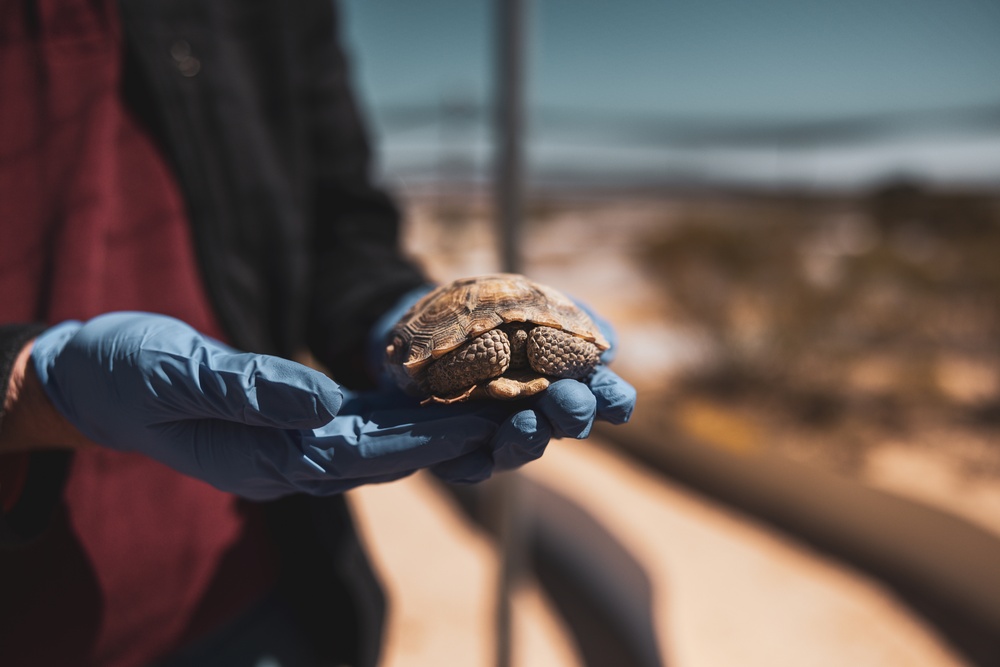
(567, 408)
(255, 425)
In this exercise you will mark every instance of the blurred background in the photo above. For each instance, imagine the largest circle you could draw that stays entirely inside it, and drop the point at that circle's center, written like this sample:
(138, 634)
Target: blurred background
(791, 213)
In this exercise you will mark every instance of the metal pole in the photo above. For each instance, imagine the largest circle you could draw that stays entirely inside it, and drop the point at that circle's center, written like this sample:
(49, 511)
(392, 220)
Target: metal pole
(509, 203)
(510, 126)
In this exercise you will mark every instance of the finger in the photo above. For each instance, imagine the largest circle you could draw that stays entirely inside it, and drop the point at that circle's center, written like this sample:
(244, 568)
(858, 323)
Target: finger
(393, 441)
(615, 397)
(257, 390)
(257, 463)
(290, 395)
(570, 408)
(474, 467)
(520, 439)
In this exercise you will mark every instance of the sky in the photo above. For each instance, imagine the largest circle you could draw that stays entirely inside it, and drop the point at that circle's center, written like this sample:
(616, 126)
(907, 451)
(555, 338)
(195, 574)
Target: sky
(724, 63)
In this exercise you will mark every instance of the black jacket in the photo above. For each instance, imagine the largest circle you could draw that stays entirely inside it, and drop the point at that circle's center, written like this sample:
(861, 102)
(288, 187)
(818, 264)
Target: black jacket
(251, 104)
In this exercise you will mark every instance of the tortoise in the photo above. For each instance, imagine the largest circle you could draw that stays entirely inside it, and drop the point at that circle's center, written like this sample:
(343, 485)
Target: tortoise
(497, 336)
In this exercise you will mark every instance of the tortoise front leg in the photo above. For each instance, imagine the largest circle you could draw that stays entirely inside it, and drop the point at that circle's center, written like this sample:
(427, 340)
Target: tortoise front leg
(482, 358)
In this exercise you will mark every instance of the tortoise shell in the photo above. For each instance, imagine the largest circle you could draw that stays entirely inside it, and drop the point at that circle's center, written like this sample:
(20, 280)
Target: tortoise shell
(454, 314)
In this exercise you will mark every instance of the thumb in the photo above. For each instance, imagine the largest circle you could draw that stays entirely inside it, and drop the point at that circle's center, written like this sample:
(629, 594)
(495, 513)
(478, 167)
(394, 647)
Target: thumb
(261, 390)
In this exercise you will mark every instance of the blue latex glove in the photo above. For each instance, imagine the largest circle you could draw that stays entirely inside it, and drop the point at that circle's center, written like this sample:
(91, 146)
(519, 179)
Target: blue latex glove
(255, 425)
(568, 408)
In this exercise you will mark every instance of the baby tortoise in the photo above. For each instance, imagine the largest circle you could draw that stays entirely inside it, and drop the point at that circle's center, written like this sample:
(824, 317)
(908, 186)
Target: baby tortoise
(499, 336)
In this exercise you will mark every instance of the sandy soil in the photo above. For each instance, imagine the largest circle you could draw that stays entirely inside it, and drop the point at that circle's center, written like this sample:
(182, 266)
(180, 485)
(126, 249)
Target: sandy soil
(726, 590)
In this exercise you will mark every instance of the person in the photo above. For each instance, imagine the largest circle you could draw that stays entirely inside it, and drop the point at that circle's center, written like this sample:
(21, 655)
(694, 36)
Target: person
(186, 205)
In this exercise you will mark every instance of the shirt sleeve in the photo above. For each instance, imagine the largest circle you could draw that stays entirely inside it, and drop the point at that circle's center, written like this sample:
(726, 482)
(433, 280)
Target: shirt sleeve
(30, 484)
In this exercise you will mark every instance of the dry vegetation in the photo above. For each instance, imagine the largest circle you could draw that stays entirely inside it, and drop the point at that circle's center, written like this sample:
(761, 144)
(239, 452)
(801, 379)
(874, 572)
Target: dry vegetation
(842, 322)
